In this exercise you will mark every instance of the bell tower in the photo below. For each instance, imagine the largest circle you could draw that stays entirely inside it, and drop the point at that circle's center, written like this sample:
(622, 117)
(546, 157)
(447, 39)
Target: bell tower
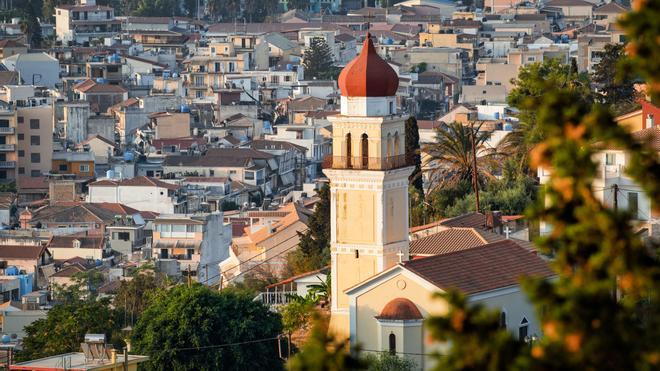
(368, 180)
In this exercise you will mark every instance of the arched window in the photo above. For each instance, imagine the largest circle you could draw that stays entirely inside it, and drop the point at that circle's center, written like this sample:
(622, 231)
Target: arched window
(365, 151)
(396, 144)
(389, 145)
(522, 330)
(348, 151)
(503, 320)
(392, 344)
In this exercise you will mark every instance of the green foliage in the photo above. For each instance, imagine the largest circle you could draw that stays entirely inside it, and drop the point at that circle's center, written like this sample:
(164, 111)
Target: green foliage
(642, 26)
(314, 247)
(616, 90)
(477, 340)
(157, 8)
(532, 82)
(595, 314)
(296, 314)
(419, 68)
(298, 4)
(65, 326)
(450, 156)
(229, 205)
(197, 317)
(388, 362)
(83, 287)
(318, 61)
(412, 149)
(509, 197)
(322, 352)
(8, 187)
(134, 295)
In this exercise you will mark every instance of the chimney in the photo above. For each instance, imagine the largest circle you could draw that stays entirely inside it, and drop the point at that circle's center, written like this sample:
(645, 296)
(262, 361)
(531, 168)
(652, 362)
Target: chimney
(24, 218)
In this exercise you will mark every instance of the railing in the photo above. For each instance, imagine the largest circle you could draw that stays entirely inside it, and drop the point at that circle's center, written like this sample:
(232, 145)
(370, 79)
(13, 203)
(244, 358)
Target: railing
(275, 297)
(7, 147)
(7, 130)
(7, 164)
(366, 163)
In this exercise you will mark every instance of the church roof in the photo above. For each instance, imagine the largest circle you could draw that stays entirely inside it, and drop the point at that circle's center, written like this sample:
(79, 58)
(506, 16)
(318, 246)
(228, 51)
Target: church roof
(400, 309)
(368, 75)
(480, 269)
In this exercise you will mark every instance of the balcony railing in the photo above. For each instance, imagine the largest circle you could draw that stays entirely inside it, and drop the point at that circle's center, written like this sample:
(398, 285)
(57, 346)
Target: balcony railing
(7, 164)
(6, 130)
(367, 163)
(274, 298)
(7, 147)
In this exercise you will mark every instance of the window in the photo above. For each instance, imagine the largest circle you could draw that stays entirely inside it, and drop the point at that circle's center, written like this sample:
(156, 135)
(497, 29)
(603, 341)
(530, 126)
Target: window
(3, 174)
(35, 140)
(357, 254)
(349, 151)
(633, 204)
(35, 173)
(609, 159)
(122, 236)
(365, 151)
(35, 158)
(392, 344)
(20, 119)
(217, 66)
(249, 175)
(391, 108)
(503, 320)
(522, 330)
(232, 172)
(213, 52)
(21, 170)
(231, 67)
(21, 136)
(287, 78)
(275, 79)
(199, 94)
(84, 168)
(63, 167)
(21, 153)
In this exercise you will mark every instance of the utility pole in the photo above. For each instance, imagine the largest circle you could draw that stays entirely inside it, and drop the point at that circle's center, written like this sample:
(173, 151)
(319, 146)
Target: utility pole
(616, 197)
(475, 177)
(189, 280)
(125, 359)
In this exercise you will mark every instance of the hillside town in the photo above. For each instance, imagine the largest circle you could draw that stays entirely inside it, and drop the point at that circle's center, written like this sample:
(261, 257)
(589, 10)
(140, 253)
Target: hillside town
(327, 185)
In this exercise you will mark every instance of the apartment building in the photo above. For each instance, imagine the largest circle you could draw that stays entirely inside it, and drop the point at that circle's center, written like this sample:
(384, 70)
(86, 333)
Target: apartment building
(195, 243)
(85, 21)
(35, 139)
(8, 152)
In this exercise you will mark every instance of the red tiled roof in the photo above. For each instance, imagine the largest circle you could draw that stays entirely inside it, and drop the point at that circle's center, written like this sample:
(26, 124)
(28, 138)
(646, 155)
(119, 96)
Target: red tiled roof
(183, 143)
(470, 220)
(86, 242)
(479, 269)
(449, 240)
(26, 182)
(21, 252)
(400, 309)
(91, 86)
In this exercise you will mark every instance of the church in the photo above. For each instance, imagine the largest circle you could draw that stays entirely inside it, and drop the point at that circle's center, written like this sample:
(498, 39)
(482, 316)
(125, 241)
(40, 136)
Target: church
(379, 296)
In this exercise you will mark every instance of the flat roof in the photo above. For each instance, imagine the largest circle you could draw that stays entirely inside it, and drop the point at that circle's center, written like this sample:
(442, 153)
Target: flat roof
(73, 361)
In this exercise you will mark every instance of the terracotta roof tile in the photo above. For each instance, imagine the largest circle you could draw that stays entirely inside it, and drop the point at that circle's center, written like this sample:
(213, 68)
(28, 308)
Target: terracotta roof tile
(479, 269)
(21, 252)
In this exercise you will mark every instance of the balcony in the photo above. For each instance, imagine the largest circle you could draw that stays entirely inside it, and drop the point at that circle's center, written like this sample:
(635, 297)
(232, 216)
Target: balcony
(7, 147)
(367, 163)
(7, 164)
(7, 130)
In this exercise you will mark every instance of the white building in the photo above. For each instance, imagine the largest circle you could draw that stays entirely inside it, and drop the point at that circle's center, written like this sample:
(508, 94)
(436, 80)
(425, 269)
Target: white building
(85, 21)
(141, 193)
(613, 187)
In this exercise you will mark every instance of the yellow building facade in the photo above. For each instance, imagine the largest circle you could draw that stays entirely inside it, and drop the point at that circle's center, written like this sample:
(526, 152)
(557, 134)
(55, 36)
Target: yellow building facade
(368, 181)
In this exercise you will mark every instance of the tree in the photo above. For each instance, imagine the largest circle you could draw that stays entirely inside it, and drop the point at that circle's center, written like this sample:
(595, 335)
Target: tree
(297, 4)
(258, 10)
(531, 83)
(134, 296)
(196, 328)
(616, 90)
(318, 60)
(65, 326)
(323, 351)
(450, 156)
(412, 150)
(314, 247)
(157, 8)
(596, 314)
(385, 361)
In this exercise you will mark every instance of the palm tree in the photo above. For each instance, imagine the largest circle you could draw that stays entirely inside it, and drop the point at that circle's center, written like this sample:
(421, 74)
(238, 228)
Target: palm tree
(449, 160)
